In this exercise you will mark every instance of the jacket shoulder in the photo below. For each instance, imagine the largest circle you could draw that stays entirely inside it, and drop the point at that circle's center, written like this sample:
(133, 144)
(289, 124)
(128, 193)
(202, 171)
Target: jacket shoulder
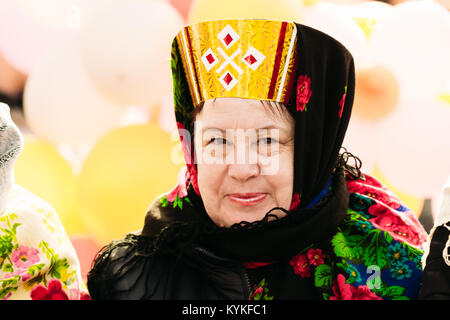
(129, 269)
(118, 269)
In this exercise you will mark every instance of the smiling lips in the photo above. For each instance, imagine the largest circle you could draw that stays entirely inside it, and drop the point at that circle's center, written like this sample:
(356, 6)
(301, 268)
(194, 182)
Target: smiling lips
(247, 199)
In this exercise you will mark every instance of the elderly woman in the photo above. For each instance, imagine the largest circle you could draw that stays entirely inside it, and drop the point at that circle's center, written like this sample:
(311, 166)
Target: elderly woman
(268, 207)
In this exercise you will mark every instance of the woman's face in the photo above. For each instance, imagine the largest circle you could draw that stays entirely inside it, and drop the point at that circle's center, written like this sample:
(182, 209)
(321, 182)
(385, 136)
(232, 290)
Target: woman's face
(245, 159)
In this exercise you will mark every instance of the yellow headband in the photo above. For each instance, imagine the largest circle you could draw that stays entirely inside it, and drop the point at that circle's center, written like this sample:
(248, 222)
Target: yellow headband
(238, 58)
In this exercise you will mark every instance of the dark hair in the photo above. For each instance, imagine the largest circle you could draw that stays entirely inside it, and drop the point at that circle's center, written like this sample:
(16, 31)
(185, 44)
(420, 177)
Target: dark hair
(274, 107)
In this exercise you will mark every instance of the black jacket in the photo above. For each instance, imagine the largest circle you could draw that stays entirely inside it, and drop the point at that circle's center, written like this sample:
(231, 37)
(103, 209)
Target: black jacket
(127, 272)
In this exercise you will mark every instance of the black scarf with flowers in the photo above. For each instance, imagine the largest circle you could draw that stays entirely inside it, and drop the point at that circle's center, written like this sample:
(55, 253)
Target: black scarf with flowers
(320, 101)
(330, 235)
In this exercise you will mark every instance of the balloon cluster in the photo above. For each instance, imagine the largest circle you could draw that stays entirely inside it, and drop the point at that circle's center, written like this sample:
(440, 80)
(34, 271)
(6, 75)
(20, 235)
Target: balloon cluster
(96, 77)
(401, 114)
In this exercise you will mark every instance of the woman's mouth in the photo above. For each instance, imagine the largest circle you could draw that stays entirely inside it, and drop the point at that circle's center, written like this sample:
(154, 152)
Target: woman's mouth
(247, 199)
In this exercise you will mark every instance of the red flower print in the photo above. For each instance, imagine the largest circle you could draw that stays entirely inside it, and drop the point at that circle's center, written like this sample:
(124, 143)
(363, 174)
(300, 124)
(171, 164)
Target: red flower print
(400, 228)
(185, 142)
(192, 176)
(186, 145)
(315, 257)
(253, 265)
(304, 91)
(342, 102)
(85, 296)
(301, 265)
(295, 201)
(378, 209)
(379, 193)
(345, 291)
(372, 181)
(172, 195)
(54, 291)
(259, 290)
(369, 180)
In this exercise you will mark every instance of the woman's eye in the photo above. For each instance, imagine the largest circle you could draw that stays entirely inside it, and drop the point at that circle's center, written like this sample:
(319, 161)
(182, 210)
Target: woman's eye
(218, 141)
(268, 140)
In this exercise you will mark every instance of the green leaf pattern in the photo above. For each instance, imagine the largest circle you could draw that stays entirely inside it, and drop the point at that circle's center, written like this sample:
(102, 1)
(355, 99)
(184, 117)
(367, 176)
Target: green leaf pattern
(355, 248)
(261, 291)
(358, 245)
(178, 202)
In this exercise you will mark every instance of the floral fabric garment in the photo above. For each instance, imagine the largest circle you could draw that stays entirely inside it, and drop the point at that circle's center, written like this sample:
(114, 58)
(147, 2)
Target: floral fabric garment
(37, 259)
(374, 255)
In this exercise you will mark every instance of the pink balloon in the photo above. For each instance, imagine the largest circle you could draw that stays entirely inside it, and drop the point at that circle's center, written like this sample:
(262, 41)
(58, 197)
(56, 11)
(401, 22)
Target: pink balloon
(24, 42)
(182, 6)
(86, 248)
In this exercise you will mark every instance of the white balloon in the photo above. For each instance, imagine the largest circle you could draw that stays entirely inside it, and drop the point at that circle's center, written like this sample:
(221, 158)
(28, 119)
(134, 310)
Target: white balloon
(53, 13)
(413, 42)
(62, 106)
(336, 21)
(61, 14)
(371, 9)
(360, 141)
(126, 49)
(414, 146)
(167, 120)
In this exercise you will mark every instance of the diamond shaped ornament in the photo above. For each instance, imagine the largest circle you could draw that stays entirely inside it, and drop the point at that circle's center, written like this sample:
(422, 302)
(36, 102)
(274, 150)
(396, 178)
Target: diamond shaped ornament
(253, 58)
(209, 59)
(228, 36)
(228, 80)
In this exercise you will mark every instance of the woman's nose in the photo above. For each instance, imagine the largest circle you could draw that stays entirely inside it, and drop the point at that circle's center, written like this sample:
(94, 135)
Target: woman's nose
(243, 172)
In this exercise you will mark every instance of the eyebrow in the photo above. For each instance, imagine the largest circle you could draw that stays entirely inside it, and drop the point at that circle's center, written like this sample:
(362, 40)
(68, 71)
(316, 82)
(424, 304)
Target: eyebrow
(264, 127)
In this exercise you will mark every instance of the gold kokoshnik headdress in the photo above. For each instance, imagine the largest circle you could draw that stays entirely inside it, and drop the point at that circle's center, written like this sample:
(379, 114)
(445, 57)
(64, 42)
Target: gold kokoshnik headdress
(239, 58)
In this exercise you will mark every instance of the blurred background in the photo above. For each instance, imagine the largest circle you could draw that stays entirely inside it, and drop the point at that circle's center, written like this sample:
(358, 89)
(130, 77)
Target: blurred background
(89, 85)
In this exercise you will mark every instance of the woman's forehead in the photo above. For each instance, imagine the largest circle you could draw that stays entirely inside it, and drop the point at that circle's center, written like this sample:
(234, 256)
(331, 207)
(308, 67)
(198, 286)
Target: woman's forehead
(232, 102)
(255, 113)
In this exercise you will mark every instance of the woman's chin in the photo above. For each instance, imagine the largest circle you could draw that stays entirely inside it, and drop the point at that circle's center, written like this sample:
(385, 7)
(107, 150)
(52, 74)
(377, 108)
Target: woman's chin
(247, 213)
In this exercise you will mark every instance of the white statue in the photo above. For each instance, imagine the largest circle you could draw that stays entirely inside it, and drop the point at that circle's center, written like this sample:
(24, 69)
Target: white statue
(11, 144)
(37, 259)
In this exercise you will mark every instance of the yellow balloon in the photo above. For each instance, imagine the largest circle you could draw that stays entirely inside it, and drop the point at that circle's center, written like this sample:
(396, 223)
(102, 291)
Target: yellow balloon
(122, 175)
(412, 202)
(445, 97)
(43, 171)
(203, 10)
(366, 25)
